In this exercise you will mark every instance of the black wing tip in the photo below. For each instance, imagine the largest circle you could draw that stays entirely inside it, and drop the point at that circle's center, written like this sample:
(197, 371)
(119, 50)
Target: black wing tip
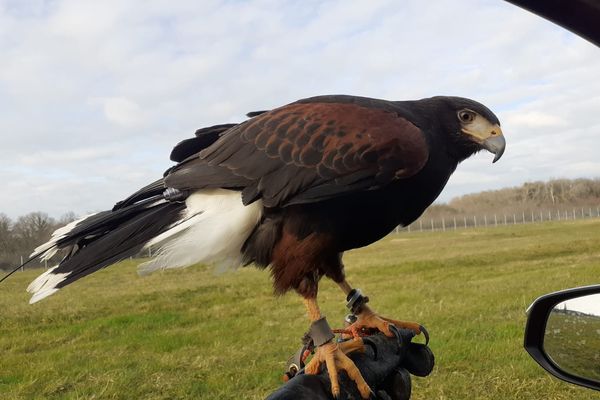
(214, 129)
(204, 137)
(253, 114)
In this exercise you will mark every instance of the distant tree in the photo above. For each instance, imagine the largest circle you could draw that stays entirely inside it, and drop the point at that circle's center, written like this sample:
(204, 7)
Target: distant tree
(531, 197)
(66, 218)
(6, 242)
(5, 233)
(19, 238)
(32, 229)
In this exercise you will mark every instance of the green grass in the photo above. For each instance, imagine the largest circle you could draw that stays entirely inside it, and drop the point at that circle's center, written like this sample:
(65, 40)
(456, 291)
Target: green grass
(573, 342)
(195, 334)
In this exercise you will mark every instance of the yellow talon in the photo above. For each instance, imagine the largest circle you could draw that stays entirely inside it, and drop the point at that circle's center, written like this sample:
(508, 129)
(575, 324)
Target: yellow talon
(332, 355)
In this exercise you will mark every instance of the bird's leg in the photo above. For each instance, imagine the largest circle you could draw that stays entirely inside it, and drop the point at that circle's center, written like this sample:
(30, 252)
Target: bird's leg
(331, 353)
(367, 318)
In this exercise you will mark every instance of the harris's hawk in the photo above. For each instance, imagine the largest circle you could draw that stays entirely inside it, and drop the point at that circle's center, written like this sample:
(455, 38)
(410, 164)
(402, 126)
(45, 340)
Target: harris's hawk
(289, 189)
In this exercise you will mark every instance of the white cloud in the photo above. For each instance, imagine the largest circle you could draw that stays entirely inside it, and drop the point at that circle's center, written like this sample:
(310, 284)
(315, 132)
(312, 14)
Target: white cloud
(582, 169)
(94, 95)
(122, 111)
(470, 177)
(50, 158)
(536, 119)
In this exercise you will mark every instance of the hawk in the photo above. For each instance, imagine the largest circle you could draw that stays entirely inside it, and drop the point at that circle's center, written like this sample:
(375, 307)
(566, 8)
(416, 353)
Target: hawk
(290, 189)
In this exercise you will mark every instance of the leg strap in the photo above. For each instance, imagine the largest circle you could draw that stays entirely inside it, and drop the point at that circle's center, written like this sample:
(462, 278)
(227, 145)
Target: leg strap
(320, 332)
(356, 301)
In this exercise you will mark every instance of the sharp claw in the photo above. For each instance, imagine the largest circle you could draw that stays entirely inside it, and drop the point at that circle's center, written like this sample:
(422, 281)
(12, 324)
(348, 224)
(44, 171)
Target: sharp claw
(425, 333)
(370, 343)
(396, 333)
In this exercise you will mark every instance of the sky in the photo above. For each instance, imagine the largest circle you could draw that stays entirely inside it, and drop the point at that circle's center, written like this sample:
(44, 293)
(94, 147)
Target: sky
(93, 95)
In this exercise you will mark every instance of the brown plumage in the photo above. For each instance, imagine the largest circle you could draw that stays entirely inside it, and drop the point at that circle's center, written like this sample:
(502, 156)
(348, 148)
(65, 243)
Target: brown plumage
(307, 152)
(332, 172)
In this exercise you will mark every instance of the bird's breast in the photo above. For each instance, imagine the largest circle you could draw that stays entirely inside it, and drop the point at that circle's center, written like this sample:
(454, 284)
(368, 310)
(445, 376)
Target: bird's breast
(359, 219)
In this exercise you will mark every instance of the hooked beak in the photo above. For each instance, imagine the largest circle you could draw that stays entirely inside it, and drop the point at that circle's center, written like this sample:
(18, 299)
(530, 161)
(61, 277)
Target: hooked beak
(487, 135)
(496, 145)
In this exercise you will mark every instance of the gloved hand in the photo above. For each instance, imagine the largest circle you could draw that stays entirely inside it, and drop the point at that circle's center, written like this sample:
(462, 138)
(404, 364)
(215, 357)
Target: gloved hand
(386, 365)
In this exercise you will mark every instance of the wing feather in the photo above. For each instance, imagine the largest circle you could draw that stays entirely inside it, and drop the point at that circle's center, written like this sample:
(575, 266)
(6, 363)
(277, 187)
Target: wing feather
(204, 137)
(308, 152)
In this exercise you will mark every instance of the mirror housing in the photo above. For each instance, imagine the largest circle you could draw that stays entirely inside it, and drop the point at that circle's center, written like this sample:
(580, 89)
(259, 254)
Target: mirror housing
(535, 331)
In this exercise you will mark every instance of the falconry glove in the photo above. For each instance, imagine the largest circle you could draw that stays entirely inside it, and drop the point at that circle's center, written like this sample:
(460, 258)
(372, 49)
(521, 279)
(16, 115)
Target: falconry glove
(386, 364)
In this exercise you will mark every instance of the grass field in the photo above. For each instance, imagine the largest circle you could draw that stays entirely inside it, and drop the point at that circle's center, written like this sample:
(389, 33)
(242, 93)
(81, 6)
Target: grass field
(573, 342)
(195, 334)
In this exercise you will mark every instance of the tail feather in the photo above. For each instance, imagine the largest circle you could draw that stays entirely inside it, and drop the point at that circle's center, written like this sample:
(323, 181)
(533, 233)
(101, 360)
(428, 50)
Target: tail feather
(86, 229)
(122, 242)
(214, 230)
(156, 188)
(45, 284)
(49, 249)
(211, 226)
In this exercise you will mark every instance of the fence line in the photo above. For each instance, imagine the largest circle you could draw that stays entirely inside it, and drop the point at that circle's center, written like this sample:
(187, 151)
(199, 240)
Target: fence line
(487, 220)
(454, 223)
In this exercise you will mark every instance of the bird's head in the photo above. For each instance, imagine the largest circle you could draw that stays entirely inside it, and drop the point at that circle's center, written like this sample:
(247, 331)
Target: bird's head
(472, 127)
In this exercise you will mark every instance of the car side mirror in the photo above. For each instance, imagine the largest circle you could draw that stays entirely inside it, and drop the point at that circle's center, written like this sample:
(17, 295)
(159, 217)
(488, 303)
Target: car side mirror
(563, 334)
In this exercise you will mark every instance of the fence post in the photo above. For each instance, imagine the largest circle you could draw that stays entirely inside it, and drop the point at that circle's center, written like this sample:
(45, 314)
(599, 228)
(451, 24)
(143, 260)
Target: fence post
(574, 216)
(475, 220)
(485, 220)
(421, 225)
(558, 215)
(465, 222)
(443, 224)
(454, 222)
(514, 219)
(523, 216)
(495, 221)
(504, 219)
(22, 268)
(532, 217)
(432, 227)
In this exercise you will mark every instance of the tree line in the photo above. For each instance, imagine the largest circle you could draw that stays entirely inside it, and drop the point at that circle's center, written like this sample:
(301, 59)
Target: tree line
(549, 196)
(18, 238)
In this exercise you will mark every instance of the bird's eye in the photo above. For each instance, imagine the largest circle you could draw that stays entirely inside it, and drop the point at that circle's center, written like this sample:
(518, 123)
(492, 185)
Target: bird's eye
(466, 116)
